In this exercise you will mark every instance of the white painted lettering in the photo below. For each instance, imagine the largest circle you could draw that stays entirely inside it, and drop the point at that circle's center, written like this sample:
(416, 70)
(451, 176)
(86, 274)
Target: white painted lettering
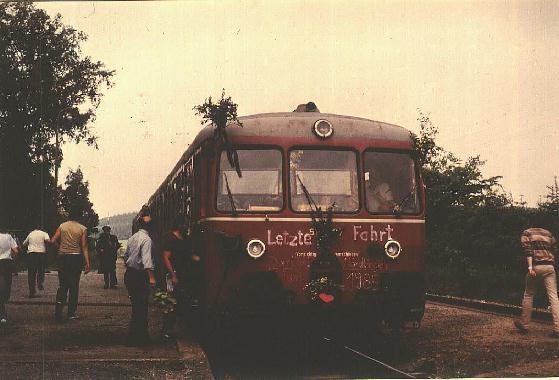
(356, 232)
(270, 241)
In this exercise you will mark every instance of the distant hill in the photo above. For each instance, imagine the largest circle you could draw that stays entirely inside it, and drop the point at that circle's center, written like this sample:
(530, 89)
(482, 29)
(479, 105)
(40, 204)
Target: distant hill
(121, 225)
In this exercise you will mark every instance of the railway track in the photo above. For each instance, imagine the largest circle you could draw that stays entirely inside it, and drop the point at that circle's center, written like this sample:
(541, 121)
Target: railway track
(487, 306)
(368, 365)
(310, 350)
(260, 352)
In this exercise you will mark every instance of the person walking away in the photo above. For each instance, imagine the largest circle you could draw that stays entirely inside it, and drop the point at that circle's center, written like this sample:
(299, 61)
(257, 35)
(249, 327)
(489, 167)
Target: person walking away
(138, 279)
(540, 247)
(36, 243)
(71, 240)
(8, 252)
(107, 247)
(178, 258)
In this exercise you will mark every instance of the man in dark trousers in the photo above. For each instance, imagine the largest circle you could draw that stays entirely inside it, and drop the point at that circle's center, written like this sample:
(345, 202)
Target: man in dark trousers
(71, 240)
(36, 243)
(180, 262)
(139, 278)
(107, 247)
(8, 252)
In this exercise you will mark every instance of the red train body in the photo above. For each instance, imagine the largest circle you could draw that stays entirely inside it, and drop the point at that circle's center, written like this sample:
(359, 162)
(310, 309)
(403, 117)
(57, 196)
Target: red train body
(336, 160)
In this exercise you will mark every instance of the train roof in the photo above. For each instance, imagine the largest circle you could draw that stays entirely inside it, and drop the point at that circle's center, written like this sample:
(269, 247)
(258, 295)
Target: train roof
(299, 125)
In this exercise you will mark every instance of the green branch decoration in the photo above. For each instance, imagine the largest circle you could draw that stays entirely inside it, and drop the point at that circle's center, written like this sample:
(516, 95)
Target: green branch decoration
(325, 271)
(220, 114)
(164, 301)
(326, 234)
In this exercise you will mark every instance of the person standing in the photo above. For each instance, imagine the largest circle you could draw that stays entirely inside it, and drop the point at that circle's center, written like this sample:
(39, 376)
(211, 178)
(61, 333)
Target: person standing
(36, 243)
(138, 279)
(540, 247)
(8, 252)
(107, 247)
(71, 240)
(178, 259)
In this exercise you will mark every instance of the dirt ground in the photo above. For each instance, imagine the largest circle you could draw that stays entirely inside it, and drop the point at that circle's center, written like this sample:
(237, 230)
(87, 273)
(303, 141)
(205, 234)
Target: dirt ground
(32, 345)
(454, 342)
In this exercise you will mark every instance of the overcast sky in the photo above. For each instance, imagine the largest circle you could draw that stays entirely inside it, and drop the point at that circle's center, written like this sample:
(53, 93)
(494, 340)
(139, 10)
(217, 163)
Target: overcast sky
(486, 72)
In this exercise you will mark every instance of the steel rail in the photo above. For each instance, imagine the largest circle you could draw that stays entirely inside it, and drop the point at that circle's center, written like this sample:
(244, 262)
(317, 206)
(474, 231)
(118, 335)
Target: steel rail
(486, 306)
(370, 358)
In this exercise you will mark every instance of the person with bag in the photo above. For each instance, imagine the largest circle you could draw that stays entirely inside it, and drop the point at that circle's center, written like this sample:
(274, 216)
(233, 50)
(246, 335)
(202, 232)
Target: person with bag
(178, 260)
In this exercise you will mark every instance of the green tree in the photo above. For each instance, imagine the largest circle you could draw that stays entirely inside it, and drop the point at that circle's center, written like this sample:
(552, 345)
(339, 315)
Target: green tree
(450, 181)
(472, 226)
(75, 198)
(551, 203)
(49, 95)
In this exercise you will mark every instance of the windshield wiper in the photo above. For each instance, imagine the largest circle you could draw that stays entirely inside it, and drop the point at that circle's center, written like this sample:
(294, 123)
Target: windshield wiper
(230, 195)
(310, 201)
(398, 207)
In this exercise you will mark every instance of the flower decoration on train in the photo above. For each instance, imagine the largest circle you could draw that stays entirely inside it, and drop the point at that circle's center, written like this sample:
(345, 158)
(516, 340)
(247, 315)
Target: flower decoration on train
(323, 290)
(220, 114)
(326, 234)
(164, 301)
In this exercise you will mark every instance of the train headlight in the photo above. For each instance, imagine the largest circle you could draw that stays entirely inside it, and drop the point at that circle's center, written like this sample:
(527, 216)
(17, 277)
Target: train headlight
(255, 248)
(323, 129)
(392, 249)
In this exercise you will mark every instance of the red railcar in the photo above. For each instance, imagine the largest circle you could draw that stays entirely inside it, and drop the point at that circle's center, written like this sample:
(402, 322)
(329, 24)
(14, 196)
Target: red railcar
(255, 232)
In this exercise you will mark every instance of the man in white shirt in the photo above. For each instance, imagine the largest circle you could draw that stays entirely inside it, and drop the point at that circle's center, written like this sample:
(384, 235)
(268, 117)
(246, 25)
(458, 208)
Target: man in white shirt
(36, 243)
(139, 278)
(8, 252)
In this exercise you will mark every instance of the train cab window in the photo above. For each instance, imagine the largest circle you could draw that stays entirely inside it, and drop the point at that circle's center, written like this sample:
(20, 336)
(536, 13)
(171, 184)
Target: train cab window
(260, 187)
(390, 183)
(328, 176)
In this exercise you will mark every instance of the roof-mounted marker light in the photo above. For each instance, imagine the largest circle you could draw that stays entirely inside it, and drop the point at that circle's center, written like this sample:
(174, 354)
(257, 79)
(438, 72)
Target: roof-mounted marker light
(392, 249)
(323, 129)
(256, 248)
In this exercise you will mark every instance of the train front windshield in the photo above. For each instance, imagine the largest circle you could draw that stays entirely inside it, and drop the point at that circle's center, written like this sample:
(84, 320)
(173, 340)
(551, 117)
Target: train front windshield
(328, 176)
(259, 189)
(390, 183)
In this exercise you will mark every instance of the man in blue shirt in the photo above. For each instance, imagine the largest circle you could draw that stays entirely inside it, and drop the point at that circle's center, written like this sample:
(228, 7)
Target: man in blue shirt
(139, 278)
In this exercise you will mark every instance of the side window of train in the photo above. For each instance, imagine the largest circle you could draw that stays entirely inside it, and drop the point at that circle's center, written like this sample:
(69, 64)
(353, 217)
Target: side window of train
(390, 183)
(260, 188)
(188, 188)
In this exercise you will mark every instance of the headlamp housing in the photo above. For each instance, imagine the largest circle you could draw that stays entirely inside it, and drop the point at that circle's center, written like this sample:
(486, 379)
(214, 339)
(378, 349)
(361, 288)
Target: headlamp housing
(323, 129)
(392, 248)
(256, 248)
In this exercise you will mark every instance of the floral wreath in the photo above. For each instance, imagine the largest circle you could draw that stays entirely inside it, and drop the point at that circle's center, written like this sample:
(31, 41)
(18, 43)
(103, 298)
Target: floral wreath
(323, 289)
(164, 301)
